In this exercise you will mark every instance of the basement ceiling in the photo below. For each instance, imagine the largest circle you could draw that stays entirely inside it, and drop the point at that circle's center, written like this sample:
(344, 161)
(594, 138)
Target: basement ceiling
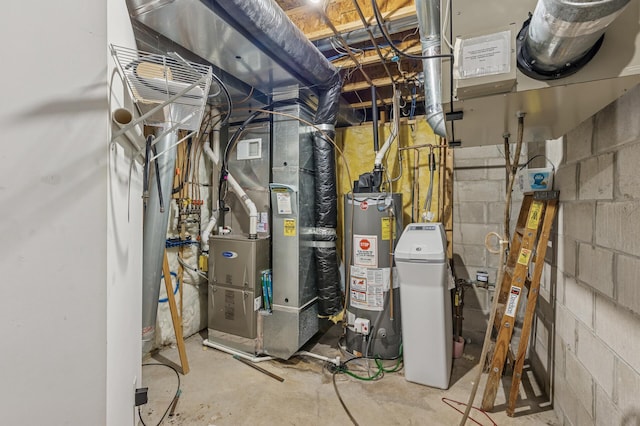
(345, 32)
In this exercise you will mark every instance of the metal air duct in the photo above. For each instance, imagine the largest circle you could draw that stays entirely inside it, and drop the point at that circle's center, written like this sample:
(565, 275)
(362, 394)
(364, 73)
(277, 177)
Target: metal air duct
(562, 36)
(154, 237)
(271, 28)
(428, 12)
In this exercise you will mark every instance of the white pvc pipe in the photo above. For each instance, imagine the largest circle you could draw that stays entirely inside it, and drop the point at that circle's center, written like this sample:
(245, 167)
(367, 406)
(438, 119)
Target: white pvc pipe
(122, 117)
(249, 205)
(235, 352)
(335, 361)
(394, 130)
(214, 156)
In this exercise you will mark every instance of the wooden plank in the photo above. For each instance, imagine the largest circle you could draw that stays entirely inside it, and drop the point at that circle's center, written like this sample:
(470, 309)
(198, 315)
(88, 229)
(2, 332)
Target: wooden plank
(378, 82)
(370, 58)
(532, 299)
(389, 16)
(508, 319)
(175, 319)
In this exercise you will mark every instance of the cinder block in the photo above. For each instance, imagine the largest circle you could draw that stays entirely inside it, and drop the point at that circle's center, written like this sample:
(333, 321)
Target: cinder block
(470, 212)
(618, 226)
(465, 191)
(559, 356)
(565, 181)
(471, 255)
(628, 288)
(616, 124)
(627, 387)
(496, 173)
(607, 413)
(579, 300)
(580, 381)
(469, 169)
(619, 328)
(571, 409)
(474, 234)
(595, 180)
(578, 220)
(475, 152)
(627, 177)
(596, 357)
(567, 248)
(578, 141)
(566, 327)
(595, 268)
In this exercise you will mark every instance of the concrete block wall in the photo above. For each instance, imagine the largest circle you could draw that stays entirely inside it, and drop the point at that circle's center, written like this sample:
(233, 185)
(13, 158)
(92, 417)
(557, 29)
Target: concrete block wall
(479, 196)
(587, 340)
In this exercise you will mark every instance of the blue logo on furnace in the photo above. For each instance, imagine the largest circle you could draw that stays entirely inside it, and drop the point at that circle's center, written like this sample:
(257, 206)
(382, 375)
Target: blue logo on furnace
(229, 254)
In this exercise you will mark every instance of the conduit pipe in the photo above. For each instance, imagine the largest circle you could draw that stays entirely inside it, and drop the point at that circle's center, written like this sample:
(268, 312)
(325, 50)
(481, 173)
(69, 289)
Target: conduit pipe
(377, 163)
(272, 29)
(563, 35)
(154, 237)
(235, 352)
(428, 13)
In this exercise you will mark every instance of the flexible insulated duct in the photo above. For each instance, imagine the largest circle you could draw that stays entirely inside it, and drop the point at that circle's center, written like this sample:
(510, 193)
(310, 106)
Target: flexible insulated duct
(562, 36)
(272, 29)
(428, 12)
(154, 237)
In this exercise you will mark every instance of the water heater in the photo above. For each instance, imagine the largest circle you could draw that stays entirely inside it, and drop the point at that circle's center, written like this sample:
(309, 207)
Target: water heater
(373, 223)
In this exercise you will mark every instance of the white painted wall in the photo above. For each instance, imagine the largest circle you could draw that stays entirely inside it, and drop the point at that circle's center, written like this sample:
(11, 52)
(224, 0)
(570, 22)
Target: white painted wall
(70, 262)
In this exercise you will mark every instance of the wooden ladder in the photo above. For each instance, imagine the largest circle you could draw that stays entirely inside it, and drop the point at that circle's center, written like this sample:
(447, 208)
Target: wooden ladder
(532, 230)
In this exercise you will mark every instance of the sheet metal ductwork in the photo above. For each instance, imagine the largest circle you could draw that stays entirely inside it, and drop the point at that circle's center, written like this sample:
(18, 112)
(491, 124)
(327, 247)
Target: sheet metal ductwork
(428, 12)
(562, 36)
(154, 237)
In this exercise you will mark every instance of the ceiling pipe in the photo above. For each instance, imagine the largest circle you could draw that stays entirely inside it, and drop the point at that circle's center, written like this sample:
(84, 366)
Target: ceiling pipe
(428, 13)
(562, 36)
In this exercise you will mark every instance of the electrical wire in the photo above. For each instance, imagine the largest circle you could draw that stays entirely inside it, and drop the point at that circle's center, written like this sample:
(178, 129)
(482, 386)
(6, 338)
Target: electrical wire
(446, 401)
(227, 96)
(385, 34)
(175, 397)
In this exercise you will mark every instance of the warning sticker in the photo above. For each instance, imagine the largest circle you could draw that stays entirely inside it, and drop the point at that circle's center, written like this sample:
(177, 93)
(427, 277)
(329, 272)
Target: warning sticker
(365, 250)
(535, 212)
(367, 288)
(364, 205)
(388, 226)
(289, 227)
(512, 304)
(524, 256)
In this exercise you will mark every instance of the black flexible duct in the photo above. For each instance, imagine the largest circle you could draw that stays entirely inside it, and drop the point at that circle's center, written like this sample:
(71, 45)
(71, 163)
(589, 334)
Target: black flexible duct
(264, 22)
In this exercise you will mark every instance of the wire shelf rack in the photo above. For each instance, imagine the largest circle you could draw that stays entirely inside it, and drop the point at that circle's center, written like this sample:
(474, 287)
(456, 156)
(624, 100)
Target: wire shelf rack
(168, 91)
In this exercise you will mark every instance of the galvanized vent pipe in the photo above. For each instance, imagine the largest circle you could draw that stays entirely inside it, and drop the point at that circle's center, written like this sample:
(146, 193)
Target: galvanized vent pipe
(562, 36)
(154, 238)
(428, 12)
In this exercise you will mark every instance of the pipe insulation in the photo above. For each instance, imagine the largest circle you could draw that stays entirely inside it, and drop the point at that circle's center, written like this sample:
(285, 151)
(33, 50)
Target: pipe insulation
(154, 237)
(428, 13)
(273, 31)
(562, 36)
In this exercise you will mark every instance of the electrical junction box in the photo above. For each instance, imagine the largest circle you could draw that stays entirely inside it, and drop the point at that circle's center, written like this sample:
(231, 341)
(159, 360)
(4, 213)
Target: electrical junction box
(485, 63)
(361, 325)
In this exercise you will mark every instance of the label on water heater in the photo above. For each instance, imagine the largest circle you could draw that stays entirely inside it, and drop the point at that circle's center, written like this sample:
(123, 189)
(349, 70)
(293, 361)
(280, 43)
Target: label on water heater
(365, 250)
(367, 286)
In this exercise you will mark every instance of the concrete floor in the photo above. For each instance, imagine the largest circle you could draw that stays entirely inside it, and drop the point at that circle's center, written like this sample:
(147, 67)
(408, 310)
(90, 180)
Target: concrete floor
(220, 390)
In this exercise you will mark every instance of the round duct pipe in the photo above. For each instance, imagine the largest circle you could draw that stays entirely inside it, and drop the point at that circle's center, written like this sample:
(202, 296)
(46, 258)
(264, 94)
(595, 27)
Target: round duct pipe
(562, 36)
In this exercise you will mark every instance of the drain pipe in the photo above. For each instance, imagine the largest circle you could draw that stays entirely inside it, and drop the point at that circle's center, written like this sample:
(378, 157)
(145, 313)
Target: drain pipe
(377, 163)
(154, 237)
(428, 13)
(562, 36)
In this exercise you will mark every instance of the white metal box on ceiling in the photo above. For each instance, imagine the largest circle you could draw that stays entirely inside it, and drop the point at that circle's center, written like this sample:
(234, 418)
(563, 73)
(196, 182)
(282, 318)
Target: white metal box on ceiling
(490, 101)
